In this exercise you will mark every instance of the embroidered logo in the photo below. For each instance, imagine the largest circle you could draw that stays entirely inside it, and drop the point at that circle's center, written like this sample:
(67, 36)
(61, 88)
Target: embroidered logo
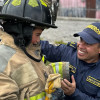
(94, 28)
(93, 81)
(73, 69)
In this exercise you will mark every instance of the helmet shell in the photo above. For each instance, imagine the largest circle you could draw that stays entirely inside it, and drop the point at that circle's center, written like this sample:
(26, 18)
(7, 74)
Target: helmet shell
(30, 11)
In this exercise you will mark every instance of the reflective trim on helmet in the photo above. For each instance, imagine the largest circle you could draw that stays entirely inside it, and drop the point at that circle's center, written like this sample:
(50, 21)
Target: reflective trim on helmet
(16, 2)
(48, 2)
(43, 3)
(33, 3)
(40, 96)
(6, 2)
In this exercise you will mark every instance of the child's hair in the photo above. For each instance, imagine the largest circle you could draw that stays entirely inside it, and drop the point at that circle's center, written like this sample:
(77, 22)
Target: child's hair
(21, 32)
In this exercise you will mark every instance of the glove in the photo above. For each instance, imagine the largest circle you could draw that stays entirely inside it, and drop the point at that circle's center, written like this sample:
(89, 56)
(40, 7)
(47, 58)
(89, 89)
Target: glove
(53, 82)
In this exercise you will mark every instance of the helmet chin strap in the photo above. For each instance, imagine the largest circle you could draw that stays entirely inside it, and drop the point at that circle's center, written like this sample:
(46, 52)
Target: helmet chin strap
(22, 46)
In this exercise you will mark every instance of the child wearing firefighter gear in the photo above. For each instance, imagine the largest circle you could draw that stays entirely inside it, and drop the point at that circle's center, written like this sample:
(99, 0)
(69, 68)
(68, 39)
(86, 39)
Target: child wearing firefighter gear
(22, 73)
(84, 63)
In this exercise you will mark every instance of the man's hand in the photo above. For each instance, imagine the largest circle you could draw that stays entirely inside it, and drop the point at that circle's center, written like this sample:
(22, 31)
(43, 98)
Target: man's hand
(68, 88)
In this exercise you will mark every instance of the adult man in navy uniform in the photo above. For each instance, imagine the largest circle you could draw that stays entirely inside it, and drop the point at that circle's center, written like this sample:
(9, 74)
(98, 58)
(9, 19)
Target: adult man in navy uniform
(23, 74)
(84, 59)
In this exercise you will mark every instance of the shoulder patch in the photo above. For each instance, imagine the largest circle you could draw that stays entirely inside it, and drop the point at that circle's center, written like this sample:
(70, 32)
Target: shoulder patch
(93, 81)
(72, 44)
(5, 54)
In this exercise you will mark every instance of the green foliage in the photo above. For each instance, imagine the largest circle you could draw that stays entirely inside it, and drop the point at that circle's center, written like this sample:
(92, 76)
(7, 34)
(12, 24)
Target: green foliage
(60, 42)
(41, 39)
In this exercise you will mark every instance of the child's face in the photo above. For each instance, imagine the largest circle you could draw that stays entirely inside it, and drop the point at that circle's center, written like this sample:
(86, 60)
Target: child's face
(36, 35)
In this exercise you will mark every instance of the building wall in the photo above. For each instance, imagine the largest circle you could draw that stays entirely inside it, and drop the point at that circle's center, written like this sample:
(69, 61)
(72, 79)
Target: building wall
(77, 8)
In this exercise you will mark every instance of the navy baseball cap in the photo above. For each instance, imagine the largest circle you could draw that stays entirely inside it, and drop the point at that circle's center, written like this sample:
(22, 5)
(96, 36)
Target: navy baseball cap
(91, 34)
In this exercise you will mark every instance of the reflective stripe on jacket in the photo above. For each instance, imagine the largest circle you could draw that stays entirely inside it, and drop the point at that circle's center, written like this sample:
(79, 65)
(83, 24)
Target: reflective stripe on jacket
(57, 67)
(40, 96)
(60, 67)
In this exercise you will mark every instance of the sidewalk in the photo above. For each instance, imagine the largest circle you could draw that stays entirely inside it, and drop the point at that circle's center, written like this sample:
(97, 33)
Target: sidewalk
(67, 26)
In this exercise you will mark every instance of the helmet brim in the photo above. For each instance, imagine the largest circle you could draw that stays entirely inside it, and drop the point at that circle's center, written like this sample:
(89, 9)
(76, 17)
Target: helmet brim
(7, 17)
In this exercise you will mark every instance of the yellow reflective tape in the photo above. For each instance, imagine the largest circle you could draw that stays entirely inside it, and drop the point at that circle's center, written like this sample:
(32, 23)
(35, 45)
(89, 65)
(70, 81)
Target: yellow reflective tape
(72, 44)
(60, 69)
(6, 2)
(53, 66)
(48, 2)
(33, 3)
(94, 28)
(43, 3)
(93, 81)
(43, 58)
(73, 69)
(16, 2)
(38, 97)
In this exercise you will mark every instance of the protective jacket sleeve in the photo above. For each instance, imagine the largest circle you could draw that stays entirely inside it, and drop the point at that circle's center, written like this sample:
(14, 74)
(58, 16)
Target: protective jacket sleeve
(53, 53)
(8, 88)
